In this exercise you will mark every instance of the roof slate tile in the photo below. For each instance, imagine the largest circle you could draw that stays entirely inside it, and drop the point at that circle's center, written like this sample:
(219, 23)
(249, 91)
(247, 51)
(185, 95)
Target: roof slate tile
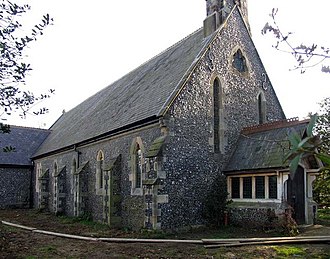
(139, 95)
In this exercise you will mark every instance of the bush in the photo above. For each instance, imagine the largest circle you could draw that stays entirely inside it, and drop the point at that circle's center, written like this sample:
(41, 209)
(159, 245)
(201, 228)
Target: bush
(216, 202)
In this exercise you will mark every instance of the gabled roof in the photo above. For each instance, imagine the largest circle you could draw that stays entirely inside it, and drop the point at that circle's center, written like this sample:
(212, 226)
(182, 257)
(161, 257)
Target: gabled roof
(264, 146)
(25, 141)
(141, 94)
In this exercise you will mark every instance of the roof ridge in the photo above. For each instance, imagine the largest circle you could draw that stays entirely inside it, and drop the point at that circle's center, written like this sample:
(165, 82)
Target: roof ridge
(153, 57)
(170, 47)
(273, 125)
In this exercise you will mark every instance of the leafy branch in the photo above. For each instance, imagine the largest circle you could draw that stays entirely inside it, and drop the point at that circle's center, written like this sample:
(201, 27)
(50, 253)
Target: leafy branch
(306, 56)
(13, 69)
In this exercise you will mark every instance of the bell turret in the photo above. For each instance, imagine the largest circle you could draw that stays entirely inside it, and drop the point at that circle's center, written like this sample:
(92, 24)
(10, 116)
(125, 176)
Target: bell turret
(216, 11)
(242, 4)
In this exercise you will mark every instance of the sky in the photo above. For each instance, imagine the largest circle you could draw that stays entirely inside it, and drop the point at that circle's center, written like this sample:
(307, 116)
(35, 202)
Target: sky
(93, 43)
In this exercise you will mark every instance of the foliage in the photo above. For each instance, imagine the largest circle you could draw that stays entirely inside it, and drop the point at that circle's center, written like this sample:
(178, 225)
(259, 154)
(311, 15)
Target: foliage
(13, 69)
(316, 143)
(291, 251)
(321, 187)
(322, 128)
(216, 202)
(310, 145)
(324, 213)
(306, 56)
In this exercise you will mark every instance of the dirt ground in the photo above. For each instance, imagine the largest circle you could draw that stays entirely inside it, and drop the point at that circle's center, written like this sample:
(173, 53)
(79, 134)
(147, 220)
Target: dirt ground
(18, 243)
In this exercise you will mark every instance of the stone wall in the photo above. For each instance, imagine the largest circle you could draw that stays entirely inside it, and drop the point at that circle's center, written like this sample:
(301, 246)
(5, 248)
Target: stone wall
(15, 187)
(132, 206)
(191, 164)
(255, 215)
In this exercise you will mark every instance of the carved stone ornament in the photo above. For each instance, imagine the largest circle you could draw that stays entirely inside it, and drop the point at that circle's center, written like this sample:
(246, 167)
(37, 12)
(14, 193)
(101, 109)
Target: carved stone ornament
(210, 60)
(264, 81)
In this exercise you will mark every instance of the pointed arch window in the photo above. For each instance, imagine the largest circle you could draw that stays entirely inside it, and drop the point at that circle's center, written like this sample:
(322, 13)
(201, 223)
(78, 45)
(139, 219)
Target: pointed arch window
(216, 115)
(137, 166)
(56, 192)
(55, 169)
(239, 61)
(99, 170)
(218, 127)
(261, 108)
(73, 170)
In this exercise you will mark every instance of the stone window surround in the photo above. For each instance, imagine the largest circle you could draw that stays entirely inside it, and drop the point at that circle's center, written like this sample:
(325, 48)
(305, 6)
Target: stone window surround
(246, 65)
(73, 170)
(38, 175)
(55, 186)
(99, 172)
(246, 61)
(215, 77)
(132, 163)
(261, 108)
(254, 199)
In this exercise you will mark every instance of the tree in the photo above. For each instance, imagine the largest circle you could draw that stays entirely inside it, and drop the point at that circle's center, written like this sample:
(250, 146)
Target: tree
(322, 128)
(306, 56)
(13, 69)
(317, 141)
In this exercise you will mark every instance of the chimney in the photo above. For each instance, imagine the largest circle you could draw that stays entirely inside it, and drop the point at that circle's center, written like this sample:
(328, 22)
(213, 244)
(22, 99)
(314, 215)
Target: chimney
(216, 11)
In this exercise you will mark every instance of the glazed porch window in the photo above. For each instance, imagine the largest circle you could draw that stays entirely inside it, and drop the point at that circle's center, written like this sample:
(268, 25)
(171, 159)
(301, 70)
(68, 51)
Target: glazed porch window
(253, 187)
(235, 190)
(260, 187)
(272, 182)
(247, 187)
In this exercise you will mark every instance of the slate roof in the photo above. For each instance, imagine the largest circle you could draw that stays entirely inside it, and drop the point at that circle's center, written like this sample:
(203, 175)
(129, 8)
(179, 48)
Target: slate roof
(26, 141)
(141, 94)
(264, 146)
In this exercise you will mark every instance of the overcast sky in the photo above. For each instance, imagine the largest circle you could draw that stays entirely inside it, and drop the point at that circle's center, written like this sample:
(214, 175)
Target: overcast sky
(93, 43)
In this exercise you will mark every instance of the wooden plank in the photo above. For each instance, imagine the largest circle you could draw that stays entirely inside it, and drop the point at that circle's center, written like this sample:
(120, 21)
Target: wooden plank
(233, 240)
(17, 225)
(272, 242)
(136, 240)
(65, 235)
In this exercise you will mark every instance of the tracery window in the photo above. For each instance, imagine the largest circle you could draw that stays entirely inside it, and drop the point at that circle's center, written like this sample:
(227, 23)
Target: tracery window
(239, 61)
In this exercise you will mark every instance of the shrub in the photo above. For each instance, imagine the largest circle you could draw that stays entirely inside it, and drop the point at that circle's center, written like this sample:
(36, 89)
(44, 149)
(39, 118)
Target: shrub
(216, 202)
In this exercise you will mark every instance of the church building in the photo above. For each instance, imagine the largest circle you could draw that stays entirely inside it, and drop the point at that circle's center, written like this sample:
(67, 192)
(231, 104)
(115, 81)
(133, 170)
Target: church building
(144, 151)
